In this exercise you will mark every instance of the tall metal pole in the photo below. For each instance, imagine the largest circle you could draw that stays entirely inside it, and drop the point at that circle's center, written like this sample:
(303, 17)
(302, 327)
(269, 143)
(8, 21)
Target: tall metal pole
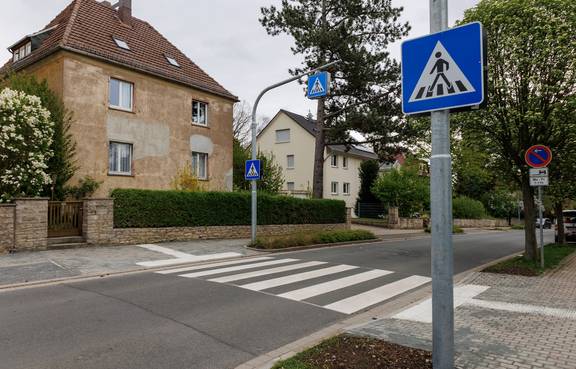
(541, 222)
(254, 133)
(441, 217)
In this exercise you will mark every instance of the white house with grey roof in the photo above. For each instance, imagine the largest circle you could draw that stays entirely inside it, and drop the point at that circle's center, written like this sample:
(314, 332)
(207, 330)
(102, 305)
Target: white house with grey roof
(290, 138)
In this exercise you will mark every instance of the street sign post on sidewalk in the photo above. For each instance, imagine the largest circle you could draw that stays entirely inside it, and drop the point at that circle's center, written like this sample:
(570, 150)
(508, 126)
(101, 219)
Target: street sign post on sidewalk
(441, 72)
(538, 157)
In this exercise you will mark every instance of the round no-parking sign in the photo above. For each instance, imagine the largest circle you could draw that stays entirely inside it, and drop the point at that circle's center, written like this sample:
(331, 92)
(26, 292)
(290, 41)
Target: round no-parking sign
(538, 156)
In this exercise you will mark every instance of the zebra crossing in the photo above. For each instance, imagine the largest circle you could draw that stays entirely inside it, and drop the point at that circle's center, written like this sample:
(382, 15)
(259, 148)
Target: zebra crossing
(342, 288)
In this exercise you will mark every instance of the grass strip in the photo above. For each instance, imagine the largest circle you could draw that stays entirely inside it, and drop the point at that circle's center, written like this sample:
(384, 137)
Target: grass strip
(311, 238)
(553, 255)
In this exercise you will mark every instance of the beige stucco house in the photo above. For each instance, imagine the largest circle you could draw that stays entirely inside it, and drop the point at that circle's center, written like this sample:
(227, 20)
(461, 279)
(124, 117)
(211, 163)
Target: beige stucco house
(290, 138)
(142, 109)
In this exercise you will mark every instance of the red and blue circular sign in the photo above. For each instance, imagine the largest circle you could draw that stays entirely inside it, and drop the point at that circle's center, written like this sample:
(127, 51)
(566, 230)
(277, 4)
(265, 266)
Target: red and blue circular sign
(538, 156)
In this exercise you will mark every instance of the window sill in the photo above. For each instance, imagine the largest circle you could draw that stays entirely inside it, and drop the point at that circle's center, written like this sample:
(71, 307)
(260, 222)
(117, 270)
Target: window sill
(290, 168)
(121, 175)
(201, 125)
(282, 142)
(334, 194)
(117, 108)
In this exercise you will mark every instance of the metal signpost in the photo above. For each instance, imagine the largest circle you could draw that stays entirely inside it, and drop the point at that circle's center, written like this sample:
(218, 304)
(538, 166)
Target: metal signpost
(441, 72)
(254, 127)
(538, 157)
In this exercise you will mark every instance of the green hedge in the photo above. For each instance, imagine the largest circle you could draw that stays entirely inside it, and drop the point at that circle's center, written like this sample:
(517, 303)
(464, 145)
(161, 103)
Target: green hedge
(467, 208)
(151, 209)
(312, 238)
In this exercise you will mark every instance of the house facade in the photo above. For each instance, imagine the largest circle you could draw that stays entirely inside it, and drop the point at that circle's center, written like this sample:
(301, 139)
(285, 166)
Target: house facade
(142, 110)
(290, 139)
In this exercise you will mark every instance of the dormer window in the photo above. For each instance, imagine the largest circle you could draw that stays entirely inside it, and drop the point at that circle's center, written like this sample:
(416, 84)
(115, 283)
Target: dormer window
(121, 43)
(172, 61)
(22, 52)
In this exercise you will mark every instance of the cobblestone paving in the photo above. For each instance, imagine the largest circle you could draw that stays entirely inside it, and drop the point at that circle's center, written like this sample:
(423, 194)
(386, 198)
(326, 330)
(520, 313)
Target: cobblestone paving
(490, 338)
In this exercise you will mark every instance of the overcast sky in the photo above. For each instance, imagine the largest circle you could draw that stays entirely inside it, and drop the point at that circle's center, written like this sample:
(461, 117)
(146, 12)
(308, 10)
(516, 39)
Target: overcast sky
(223, 37)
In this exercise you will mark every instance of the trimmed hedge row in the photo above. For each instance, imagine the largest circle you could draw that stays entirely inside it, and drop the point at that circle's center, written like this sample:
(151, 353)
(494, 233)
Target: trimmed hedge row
(157, 209)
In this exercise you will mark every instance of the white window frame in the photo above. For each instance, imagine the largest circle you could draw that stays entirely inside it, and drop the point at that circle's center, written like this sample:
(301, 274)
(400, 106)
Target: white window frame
(283, 130)
(118, 163)
(334, 161)
(195, 170)
(120, 96)
(344, 162)
(288, 166)
(346, 188)
(22, 52)
(334, 188)
(195, 120)
(293, 186)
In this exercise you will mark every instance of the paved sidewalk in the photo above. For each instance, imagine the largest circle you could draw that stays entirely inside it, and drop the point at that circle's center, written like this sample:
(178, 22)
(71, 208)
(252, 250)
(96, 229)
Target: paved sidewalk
(501, 321)
(24, 267)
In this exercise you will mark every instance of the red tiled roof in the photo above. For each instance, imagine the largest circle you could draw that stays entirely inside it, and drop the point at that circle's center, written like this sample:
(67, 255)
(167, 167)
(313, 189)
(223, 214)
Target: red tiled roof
(88, 27)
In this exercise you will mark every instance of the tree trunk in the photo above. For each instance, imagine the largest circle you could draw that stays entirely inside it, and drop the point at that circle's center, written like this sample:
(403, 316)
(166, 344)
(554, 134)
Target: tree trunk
(530, 246)
(558, 209)
(318, 182)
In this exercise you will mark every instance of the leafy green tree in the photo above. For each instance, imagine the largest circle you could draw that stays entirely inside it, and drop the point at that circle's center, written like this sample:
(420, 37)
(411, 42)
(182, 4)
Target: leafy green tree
(405, 189)
(500, 203)
(368, 174)
(472, 177)
(466, 208)
(532, 59)
(365, 85)
(272, 173)
(61, 166)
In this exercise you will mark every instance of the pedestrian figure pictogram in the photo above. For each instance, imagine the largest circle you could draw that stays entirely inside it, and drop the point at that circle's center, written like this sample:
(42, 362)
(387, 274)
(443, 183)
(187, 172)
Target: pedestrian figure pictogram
(441, 77)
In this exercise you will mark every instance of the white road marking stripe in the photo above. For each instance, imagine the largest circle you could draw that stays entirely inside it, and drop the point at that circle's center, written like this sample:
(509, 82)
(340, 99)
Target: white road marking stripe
(213, 265)
(236, 268)
(189, 259)
(259, 286)
(165, 250)
(352, 304)
(238, 277)
(322, 288)
(526, 309)
(422, 312)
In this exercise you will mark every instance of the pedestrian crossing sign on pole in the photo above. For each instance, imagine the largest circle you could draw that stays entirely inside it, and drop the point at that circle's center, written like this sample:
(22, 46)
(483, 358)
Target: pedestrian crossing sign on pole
(318, 85)
(252, 171)
(444, 71)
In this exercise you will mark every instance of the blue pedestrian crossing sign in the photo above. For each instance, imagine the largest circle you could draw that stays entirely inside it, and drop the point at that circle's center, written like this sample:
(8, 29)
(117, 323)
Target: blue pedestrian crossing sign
(252, 171)
(444, 70)
(318, 85)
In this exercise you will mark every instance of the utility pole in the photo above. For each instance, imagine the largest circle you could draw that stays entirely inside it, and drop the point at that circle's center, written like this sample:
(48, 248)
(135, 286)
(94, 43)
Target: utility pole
(441, 217)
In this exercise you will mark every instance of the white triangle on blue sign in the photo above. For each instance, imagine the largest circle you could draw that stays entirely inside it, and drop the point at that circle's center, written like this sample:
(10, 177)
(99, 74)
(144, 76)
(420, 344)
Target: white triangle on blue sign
(317, 87)
(441, 77)
(252, 172)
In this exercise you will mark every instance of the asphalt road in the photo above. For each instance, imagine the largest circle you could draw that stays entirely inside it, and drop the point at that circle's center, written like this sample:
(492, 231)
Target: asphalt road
(160, 321)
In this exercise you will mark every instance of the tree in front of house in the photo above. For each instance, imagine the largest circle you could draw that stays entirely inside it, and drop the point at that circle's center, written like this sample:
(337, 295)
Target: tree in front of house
(26, 133)
(368, 174)
(532, 54)
(405, 189)
(272, 174)
(365, 84)
(61, 165)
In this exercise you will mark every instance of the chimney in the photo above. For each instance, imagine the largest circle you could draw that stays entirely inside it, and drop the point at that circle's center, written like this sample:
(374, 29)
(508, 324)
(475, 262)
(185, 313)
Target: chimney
(125, 11)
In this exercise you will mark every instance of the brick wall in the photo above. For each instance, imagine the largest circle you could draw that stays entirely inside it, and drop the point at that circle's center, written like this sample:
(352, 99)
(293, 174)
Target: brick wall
(31, 231)
(7, 215)
(480, 223)
(151, 235)
(408, 223)
(98, 225)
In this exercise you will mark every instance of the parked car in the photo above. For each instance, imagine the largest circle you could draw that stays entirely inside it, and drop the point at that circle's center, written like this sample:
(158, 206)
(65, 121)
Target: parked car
(546, 221)
(569, 217)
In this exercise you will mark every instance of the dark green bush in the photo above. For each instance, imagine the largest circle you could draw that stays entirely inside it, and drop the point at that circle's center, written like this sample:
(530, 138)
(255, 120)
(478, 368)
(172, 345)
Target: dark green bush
(312, 238)
(466, 208)
(147, 209)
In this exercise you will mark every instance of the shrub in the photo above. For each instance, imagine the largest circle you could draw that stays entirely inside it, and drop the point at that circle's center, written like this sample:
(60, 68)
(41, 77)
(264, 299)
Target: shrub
(466, 208)
(25, 144)
(85, 188)
(312, 238)
(146, 208)
(185, 180)
(403, 188)
(455, 230)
